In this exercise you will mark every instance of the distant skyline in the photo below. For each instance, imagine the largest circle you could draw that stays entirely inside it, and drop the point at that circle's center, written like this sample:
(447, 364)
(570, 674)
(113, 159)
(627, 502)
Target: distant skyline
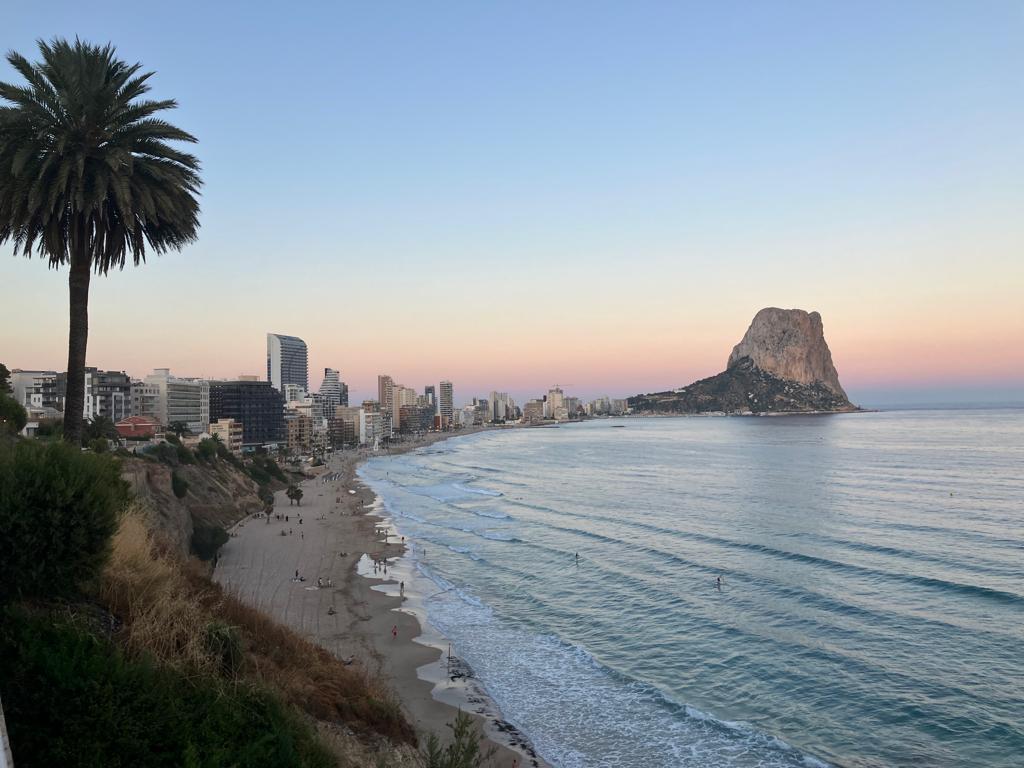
(596, 195)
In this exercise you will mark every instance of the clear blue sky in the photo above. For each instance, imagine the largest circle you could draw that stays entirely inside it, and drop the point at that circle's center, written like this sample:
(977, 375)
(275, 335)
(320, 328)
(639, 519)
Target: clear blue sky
(620, 170)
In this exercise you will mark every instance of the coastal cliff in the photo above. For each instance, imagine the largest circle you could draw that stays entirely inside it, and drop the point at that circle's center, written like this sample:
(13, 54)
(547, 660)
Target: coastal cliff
(215, 496)
(782, 365)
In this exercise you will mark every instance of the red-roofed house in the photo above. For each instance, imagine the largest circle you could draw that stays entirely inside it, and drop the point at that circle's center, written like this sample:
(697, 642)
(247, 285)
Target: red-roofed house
(137, 426)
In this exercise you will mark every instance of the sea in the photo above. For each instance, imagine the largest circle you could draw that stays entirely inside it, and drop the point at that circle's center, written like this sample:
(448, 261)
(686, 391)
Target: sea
(870, 610)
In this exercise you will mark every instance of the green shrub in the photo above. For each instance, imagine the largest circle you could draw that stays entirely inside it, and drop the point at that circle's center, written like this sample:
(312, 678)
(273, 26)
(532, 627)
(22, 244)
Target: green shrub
(99, 445)
(464, 751)
(58, 510)
(185, 456)
(207, 541)
(258, 474)
(179, 485)
(50, 429)
(224, 642)
(206, 450)
(13, 417)
(165, 453)
(71, 698)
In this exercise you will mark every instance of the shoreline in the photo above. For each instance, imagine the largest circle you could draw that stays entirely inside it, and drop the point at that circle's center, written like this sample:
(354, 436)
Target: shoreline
(340, 537)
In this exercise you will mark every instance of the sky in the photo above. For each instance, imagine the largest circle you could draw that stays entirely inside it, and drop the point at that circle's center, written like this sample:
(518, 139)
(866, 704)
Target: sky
(595, 194)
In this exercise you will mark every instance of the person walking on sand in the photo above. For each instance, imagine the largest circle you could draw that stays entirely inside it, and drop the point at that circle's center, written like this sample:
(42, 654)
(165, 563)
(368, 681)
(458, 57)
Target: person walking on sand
(394, 632)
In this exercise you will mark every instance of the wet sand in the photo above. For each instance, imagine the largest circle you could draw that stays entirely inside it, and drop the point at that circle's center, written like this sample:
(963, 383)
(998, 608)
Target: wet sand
(346, 615)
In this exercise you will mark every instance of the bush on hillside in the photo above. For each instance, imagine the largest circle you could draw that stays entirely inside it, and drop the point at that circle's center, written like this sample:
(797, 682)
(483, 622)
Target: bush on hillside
(184, 455)
(58, 510)
(13, 417)
(464, 751)
(264, 466)
(50, 429)
(71, 698)
(207, 541)
(165, 453)
(206, 450)
(167, 610)
(179, 485)
(225, 644)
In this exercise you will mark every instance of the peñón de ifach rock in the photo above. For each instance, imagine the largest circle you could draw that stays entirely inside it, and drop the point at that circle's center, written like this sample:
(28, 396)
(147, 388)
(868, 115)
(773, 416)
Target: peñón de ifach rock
(782, 365)
(790, 344)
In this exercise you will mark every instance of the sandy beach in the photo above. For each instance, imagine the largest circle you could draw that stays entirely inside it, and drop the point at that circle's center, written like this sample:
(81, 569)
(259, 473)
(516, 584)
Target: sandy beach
(274, 564)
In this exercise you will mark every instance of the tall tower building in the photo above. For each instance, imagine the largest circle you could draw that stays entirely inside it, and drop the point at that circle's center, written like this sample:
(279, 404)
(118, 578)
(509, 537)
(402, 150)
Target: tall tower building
(330, 389)
(287, 361)
(386, 398)
(446, 404)
(430, 392)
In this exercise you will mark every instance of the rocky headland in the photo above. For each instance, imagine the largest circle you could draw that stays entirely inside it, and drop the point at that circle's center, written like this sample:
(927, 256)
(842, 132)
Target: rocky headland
(782, 365)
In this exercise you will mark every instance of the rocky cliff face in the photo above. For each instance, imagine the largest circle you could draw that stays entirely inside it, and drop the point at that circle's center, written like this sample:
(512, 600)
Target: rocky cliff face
(782, 365)
(217, 496)
(789, 344)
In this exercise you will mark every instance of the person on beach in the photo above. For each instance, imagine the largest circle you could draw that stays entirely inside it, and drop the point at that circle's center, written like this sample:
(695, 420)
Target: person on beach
(718, 583)
(394, 632)
(401, 587)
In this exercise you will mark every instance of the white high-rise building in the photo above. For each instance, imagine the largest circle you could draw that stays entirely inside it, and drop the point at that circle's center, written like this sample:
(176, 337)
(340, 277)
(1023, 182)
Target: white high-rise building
(501, 404)
(34, 389)
(293, 392)
(330, 389)
(287, 361)
(169, 399)
(556, 399)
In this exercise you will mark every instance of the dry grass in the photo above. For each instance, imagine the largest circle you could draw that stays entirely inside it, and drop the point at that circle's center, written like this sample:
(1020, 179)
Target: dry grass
(168, 608)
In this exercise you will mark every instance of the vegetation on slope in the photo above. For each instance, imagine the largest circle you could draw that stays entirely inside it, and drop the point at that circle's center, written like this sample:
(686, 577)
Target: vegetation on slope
(73, 698)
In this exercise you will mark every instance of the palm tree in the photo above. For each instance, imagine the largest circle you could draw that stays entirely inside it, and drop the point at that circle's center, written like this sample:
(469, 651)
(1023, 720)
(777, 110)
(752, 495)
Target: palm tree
(87, 178)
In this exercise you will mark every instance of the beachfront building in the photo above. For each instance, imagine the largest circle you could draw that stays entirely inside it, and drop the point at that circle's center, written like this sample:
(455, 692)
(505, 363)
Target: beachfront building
(401, 397)
(430, 396)
(229, 432)
(371, 428)
(502, 407)
(555, 399)
(446, 404)
(385, 396)
(333, 390)
(533, 411)
(287, 361)
(300, 434)
(171, 400)
(416, 418)
(257, 405)
(348, 426)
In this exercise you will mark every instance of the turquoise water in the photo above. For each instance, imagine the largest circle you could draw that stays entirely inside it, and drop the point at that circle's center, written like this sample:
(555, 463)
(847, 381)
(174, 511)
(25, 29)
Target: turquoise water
(872, 610)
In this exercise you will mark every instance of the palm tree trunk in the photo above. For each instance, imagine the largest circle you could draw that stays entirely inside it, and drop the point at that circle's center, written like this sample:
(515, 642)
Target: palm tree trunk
(78, 337)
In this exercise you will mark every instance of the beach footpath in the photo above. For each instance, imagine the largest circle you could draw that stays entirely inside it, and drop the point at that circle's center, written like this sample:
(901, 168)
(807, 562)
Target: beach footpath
(299, 566)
